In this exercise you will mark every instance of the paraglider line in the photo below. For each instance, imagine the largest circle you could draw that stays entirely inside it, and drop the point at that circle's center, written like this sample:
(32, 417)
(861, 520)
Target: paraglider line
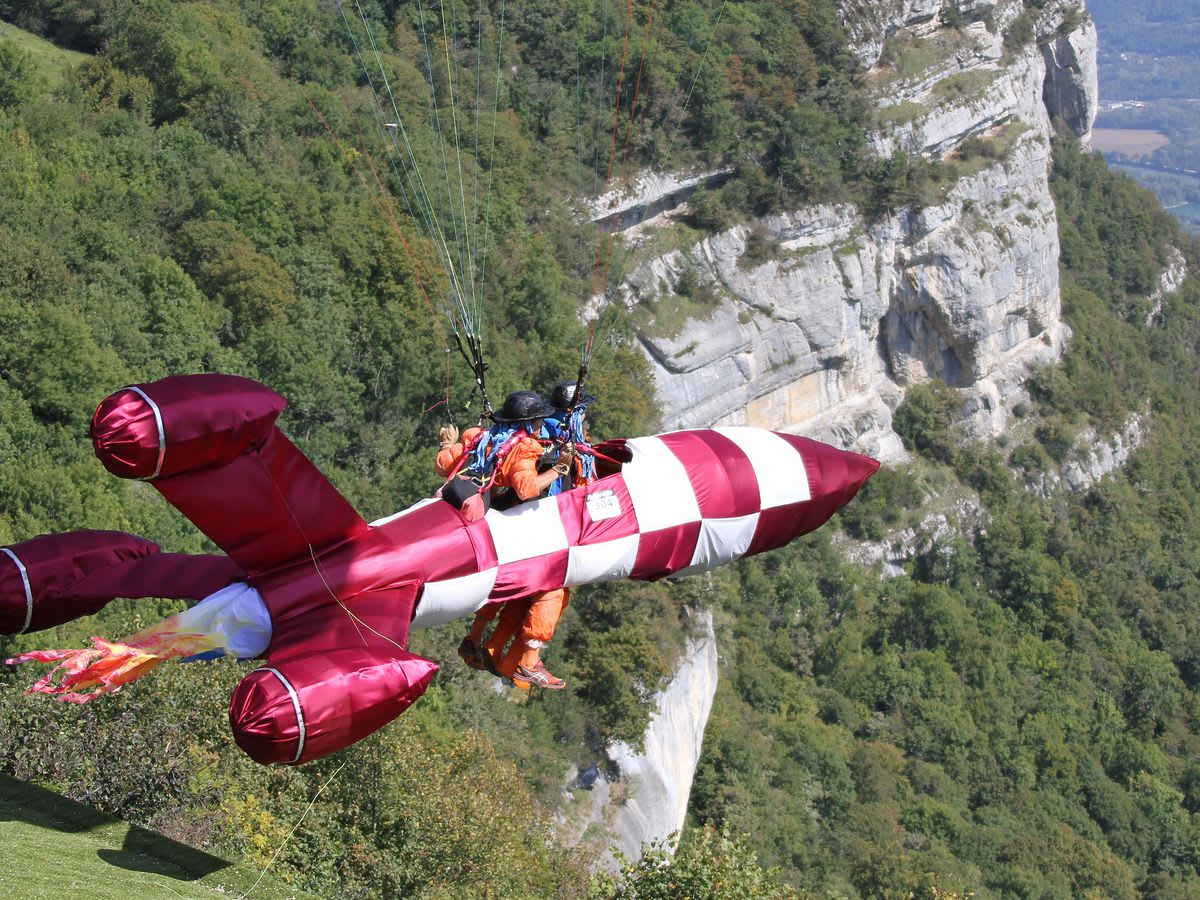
(618, 316)
(295, 828)
(436, 121)
(487, 206)
(377, 199)
(413, 171)
(445, 399)
(383, 204)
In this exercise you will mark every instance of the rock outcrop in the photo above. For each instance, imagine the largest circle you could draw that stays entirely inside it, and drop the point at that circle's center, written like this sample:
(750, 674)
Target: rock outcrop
(950, 517)
(1169, 282)
(643, 796)
(1091, 457)
(817, 320)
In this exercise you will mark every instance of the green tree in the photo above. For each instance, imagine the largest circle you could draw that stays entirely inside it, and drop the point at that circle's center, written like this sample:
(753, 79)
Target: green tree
(924, 420)
(705, 863)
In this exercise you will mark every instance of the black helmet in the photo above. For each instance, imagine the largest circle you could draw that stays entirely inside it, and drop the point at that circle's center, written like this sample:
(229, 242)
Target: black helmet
(564, 395)
(521, 406)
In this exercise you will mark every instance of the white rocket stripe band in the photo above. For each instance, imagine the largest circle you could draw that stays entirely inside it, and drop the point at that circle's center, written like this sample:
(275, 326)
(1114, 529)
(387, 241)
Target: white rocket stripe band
(28, 589)
(296, 706)
(162, 435)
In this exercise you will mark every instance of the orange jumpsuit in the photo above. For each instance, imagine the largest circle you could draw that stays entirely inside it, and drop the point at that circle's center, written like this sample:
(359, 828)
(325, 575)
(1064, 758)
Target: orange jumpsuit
(531, 622)
(448, 458)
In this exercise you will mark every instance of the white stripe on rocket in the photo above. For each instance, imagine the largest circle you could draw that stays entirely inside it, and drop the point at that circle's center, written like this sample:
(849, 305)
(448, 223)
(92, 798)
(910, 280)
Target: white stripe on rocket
(659, 486)
(778, 466)
(604, 561)
(721, 541)
(445, 601)
(529, 530)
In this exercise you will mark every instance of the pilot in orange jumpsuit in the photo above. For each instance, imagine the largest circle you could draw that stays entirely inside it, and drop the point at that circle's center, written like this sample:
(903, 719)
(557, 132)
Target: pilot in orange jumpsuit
(529, 623)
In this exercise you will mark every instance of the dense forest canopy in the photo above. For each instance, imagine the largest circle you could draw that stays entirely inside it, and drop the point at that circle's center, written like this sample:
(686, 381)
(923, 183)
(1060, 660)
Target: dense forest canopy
(1014, 715)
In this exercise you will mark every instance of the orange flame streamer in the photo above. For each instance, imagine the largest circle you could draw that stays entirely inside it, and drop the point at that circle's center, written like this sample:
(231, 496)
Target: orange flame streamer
(82, 675)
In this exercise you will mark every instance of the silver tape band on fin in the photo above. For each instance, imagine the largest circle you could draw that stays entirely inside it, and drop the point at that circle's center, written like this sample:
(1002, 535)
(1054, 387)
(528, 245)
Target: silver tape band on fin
(28, 589)
(296, 706)
(162, 435)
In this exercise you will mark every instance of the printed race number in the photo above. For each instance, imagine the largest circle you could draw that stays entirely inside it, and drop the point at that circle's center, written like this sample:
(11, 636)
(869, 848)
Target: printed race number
(603, 505)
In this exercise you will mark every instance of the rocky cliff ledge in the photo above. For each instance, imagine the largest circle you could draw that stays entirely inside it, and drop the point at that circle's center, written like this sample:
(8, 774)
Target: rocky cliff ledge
(822, 318)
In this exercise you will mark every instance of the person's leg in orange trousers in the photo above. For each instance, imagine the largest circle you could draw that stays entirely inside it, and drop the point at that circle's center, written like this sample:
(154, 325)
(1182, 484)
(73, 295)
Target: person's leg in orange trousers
(536, 629)
(511, 617)
(471, 649)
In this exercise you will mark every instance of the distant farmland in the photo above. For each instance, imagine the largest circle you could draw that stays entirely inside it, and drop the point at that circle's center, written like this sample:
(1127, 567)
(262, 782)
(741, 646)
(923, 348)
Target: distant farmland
(1129, 141)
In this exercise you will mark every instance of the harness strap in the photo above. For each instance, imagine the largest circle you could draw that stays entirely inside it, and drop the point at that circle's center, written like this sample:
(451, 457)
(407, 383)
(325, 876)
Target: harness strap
(501, 454)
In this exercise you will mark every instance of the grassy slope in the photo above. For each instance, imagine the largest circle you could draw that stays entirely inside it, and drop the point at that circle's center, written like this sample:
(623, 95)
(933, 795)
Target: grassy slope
(54, 847)
(51, 61)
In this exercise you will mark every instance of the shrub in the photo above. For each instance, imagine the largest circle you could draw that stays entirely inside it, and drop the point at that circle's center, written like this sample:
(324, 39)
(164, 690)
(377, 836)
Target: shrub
(924, 421)
(16, 74)
(1020, 31)
(709, 863)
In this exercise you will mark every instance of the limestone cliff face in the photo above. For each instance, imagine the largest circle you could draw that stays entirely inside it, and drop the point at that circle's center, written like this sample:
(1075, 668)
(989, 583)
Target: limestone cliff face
(643, 797)
(823, 318)
(660, 777)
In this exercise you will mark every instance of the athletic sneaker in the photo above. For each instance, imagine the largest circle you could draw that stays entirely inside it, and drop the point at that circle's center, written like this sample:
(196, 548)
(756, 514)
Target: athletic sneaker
(537, 677)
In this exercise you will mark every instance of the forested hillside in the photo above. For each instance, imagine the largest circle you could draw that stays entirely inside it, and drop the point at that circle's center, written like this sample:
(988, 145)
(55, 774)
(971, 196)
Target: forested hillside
(1014, 715)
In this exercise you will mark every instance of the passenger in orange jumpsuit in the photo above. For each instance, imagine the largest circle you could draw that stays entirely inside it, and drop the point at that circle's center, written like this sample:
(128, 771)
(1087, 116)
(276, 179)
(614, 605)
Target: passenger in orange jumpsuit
(452, 448)
(530, 624)
(533, 618)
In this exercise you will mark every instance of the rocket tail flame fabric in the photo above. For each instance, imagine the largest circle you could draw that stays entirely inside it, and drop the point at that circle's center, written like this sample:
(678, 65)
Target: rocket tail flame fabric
(83, 675)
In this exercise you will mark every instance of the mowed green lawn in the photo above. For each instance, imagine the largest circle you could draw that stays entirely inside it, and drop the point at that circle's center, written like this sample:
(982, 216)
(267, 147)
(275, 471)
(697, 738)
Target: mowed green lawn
(51, 848)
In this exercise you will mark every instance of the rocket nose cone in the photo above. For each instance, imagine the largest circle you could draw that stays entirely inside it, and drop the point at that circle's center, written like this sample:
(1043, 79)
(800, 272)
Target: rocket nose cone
(835, 476)
(859, 468)
(840, 475)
